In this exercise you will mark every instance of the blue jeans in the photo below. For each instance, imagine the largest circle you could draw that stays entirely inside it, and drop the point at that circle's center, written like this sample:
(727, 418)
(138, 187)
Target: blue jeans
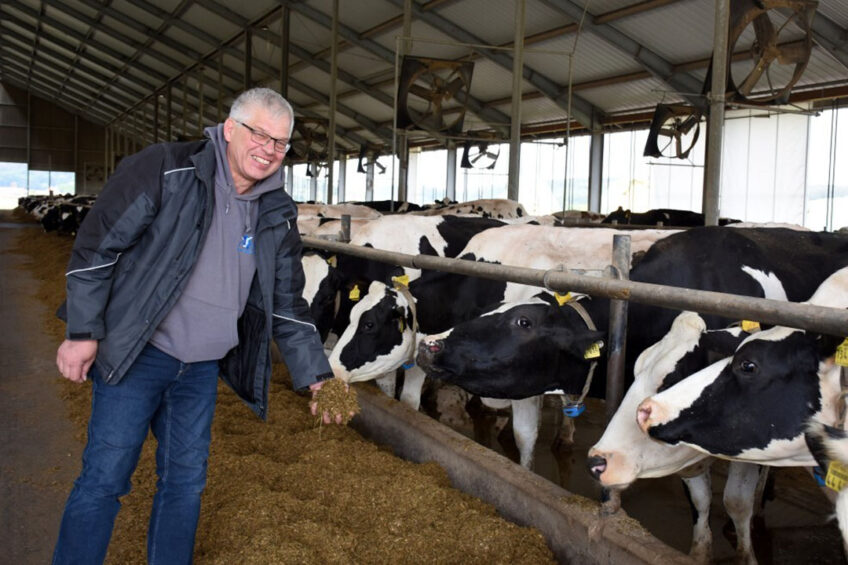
(176, 401)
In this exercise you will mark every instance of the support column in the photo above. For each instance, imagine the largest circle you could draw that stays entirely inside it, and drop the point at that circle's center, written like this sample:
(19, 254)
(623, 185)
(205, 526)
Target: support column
(313, 182)
(369, 182)
(248, 58)
(715, 127)
(168, 121)
(450, 181)
(285, 30)
(331, 127)
(515, 126)
(200, 105)
(219, 99)
(155, 117)
(77, 167)
(596, 170)
(403, 146)
(342, 177)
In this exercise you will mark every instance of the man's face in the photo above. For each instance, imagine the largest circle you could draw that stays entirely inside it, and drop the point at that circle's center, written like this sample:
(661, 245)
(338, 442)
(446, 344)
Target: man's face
(250, 161)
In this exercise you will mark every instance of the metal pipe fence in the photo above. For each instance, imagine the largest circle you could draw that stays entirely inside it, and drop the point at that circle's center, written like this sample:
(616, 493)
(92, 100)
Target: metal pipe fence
(832, 321)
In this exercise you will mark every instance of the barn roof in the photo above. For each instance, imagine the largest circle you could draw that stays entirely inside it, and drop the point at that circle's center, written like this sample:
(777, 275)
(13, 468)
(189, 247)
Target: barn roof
(604, 63)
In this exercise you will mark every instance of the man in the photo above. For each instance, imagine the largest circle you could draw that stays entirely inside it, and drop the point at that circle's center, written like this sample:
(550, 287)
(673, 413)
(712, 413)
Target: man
(187, 264)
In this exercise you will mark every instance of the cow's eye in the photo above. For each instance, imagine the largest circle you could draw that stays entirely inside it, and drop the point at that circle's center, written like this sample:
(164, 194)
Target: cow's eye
(523, 322)
(748, 367)
(368, 325)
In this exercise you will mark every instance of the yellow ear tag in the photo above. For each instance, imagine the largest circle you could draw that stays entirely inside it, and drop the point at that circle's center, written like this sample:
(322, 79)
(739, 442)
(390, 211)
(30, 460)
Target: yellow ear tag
(400, 324)
(842, 354)
(593, 351)
(333, 261)
(562, 298)
(749, 326)
(837, 475)
(401, 279)
(354, 293)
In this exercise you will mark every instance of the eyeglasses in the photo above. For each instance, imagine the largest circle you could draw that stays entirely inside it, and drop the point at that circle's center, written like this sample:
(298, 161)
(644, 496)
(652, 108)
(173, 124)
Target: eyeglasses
(280, 145)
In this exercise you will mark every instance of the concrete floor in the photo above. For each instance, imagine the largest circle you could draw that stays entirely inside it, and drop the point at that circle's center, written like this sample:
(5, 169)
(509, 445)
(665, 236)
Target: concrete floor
(39, 455)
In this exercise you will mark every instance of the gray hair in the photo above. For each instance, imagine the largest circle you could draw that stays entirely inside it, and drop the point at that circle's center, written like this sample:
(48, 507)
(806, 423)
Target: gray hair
(263, 97)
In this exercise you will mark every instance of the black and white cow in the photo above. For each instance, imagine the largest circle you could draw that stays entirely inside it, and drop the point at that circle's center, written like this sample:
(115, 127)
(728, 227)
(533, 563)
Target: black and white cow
(443, 299)
(337, 211)
(829, 446)
(659, 216)
(375, 341)
(775, 401)
(498, 208)
(625, 454)
(389, 206)
(767, 263)
(500, 355)
(338, 287)
(754, 405)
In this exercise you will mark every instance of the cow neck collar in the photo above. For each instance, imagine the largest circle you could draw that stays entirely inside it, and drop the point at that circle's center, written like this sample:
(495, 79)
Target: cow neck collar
(587, 319)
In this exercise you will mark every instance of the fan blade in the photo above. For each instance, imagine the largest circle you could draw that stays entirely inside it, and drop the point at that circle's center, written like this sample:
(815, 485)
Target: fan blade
(455, 86)
(764, 30)
(422, 92)
(793, 53)
(751, 80)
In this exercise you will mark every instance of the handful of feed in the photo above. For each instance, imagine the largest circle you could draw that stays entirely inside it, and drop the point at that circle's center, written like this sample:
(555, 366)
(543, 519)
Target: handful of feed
(336, 398)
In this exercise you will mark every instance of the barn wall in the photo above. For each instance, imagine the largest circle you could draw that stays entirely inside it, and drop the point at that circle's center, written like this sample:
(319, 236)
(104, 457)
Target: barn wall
(49, 138)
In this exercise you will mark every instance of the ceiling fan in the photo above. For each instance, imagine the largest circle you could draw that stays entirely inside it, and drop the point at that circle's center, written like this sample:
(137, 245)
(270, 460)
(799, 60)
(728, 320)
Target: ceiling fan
(432, 94)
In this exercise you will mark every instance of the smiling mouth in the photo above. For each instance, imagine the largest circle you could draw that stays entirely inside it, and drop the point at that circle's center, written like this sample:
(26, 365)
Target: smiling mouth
(260, 160)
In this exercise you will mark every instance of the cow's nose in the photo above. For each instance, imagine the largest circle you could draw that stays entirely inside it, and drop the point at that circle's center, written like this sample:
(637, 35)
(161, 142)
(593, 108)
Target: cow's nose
(430, 348)
(597, 465)
(643, 414)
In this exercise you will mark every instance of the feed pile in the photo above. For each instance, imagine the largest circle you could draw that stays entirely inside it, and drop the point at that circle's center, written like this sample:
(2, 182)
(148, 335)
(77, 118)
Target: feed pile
(289, 491)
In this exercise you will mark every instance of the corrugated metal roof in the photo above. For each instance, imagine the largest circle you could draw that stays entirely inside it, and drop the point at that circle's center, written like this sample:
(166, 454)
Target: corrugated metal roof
(108, 61)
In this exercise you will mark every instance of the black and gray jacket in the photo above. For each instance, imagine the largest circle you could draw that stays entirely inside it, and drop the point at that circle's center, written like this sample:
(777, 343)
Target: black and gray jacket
(134, 252)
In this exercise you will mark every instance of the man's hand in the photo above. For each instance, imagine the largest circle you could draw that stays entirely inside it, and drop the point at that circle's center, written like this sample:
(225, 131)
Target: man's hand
(327, 417)
(74, 358)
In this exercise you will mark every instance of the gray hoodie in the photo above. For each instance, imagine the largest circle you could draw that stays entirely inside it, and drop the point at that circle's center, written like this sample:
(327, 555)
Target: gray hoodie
(202, 324)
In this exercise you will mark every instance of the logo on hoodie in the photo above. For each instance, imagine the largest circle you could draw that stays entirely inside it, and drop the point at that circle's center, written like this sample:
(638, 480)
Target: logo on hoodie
(246, 245)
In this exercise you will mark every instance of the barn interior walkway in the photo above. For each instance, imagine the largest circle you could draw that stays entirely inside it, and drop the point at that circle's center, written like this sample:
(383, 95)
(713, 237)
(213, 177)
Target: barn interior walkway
(39, 455)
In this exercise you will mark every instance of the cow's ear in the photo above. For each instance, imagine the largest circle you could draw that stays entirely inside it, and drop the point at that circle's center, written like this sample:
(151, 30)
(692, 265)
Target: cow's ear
(581, 344)
(828, 344)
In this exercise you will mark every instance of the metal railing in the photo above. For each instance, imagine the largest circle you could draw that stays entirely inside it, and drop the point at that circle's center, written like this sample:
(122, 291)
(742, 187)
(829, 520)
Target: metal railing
(616, 286)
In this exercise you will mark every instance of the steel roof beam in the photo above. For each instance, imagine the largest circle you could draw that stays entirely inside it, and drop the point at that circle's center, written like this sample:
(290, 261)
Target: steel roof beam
(102, 79)
(581, 109)
(831, 37)
(46, 86)
(169, 19)
(302, 53)
(45, 68)
(495, 118)
(80, 37)
(685, 84)
(114, 98)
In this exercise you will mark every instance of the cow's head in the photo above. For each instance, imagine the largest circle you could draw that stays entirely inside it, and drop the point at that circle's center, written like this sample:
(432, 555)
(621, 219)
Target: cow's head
(378, 339)
(624, 453)
(515, 351)
(755, 405)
